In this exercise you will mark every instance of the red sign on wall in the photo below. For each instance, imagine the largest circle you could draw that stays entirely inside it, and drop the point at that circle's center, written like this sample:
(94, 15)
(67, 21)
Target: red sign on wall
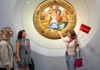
(85, 28)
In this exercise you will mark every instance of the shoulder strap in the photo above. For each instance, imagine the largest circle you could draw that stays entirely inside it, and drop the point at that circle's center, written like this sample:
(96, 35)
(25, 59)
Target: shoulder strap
(75, 41)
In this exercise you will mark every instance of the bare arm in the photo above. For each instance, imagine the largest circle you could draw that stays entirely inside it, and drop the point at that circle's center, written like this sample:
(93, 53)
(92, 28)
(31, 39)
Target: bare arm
(17, 51)
(62, 37)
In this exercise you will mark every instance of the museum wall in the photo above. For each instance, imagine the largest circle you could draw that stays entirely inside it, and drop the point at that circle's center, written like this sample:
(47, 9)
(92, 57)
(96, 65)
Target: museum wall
(46, 53)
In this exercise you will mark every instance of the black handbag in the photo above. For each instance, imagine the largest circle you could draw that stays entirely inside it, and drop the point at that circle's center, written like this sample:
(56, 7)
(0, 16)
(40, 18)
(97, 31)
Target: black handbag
(31, 66)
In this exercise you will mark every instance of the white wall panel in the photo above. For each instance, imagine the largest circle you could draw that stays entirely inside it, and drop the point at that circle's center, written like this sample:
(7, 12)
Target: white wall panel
(12, 13)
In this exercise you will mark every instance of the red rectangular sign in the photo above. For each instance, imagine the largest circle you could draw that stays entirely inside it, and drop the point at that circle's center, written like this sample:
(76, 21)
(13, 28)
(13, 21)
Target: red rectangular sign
(85, 28)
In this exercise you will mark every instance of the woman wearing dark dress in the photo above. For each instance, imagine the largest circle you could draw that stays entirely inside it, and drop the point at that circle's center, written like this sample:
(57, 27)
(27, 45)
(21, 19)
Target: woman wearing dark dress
(23, 50)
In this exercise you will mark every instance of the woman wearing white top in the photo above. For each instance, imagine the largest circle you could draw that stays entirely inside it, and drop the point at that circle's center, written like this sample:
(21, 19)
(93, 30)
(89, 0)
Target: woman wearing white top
(72, 44)
(6, 51)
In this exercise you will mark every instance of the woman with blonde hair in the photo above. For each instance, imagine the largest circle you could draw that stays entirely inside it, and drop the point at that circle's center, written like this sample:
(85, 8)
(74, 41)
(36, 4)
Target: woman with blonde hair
(6, 49)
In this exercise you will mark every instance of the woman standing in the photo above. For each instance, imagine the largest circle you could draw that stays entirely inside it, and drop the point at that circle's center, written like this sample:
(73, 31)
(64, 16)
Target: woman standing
(6, 49)
(72, 44)
(23, 50)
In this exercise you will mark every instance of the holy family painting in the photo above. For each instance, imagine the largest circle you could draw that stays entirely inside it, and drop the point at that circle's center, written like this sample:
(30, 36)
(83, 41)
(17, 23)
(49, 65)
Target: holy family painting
(52, 16)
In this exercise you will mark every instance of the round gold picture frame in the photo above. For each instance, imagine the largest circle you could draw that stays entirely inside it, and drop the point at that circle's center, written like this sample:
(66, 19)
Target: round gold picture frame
(52, 16)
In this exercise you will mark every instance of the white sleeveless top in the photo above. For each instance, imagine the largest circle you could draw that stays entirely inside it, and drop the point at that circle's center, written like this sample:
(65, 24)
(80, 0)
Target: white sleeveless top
(71, 47)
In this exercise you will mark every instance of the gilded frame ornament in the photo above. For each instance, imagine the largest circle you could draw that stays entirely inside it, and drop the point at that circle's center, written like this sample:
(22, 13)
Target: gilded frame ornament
(43, 23)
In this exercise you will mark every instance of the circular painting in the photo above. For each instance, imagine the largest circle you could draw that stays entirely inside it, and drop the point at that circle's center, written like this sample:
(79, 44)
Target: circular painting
(52, 16)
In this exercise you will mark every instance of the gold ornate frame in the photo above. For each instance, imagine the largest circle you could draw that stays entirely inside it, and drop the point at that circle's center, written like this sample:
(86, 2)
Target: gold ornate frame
(53, 34)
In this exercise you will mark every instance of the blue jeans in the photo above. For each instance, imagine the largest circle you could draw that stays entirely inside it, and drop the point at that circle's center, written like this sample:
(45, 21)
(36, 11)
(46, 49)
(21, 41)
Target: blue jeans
(70, 59)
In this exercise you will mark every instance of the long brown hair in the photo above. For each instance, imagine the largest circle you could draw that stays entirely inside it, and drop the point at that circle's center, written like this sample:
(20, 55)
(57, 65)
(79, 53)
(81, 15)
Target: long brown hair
(19, 36)
(73, 34)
